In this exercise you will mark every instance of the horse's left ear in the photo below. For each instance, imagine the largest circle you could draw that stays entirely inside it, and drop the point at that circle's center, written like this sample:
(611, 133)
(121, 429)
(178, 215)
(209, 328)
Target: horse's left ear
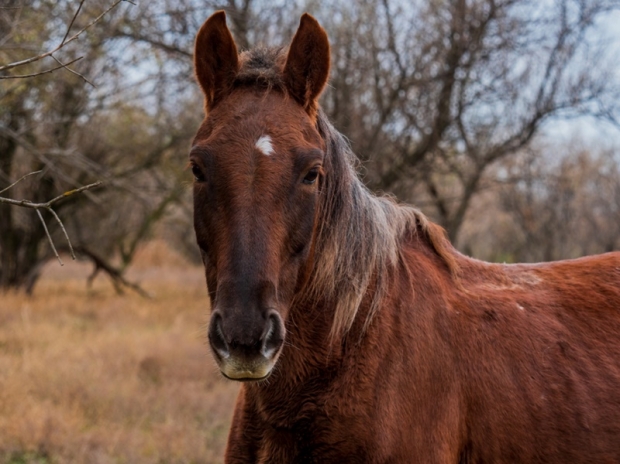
(307, 63)
(215, 58)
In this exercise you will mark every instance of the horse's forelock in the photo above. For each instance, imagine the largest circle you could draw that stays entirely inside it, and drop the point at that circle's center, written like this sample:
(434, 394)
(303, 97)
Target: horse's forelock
(262, 67)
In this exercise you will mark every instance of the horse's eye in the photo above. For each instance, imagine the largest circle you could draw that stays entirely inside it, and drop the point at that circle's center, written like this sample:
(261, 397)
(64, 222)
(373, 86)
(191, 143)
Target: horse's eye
(311, 176)
(198, 175)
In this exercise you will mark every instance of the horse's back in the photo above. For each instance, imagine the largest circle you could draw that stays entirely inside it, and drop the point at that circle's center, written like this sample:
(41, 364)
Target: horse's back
(539, 353)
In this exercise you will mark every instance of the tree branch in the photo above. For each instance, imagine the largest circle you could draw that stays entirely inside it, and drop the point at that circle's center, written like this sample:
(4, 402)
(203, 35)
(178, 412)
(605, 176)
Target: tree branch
(19, 180)
(115, 275)
(168, 48)
(62, 44)
(47, 206)
(24, 76)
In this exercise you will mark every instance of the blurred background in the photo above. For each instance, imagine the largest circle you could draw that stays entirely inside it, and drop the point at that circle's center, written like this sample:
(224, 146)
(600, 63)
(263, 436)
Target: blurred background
(500, 119)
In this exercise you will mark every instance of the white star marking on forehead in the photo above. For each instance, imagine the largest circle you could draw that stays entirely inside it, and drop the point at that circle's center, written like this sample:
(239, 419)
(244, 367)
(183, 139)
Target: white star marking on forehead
(264, 145)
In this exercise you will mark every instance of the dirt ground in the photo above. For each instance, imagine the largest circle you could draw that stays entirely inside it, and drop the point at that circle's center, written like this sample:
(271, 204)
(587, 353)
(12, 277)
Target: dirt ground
(89, 376)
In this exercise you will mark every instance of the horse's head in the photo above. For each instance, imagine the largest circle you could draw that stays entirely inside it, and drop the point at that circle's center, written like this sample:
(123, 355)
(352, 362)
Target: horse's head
(258, 166)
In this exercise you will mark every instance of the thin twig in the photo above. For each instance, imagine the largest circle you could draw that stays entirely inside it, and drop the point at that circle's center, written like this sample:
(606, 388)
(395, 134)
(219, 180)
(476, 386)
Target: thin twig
(73, 71)
(72, 21)
(24, 76)
(62, 226)
(49, 237)
(73, 192)
(19, 180)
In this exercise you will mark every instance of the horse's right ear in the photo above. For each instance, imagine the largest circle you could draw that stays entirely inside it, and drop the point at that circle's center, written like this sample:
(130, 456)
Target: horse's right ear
(215, 59)
(307, 63)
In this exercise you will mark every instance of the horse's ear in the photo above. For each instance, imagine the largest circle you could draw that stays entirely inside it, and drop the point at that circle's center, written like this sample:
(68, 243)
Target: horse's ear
(307, 63)
(215, 58)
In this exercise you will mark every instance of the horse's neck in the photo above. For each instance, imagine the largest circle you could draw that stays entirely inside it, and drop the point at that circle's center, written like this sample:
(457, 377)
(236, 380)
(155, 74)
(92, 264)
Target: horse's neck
(312, 364)
(309, 348)
(305, 369)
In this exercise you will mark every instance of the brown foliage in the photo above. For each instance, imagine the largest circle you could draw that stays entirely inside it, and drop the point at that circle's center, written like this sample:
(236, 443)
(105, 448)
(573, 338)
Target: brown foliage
(87, 376)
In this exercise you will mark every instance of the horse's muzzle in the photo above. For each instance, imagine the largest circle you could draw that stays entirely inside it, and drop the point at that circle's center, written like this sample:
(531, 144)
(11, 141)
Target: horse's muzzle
(246, 350)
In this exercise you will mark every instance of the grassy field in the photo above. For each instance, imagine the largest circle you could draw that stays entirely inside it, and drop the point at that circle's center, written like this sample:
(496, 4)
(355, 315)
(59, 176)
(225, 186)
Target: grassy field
(88, 376)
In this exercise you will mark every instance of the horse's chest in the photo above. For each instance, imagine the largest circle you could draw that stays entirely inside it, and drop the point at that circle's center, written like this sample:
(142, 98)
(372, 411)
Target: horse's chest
(312, 442)
(317, 435)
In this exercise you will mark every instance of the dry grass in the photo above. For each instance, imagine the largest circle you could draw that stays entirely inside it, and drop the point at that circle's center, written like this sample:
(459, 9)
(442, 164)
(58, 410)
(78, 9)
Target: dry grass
(93, 377)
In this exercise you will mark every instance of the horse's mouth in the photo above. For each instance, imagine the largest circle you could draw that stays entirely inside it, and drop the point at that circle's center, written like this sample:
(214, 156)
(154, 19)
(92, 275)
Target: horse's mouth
(247, 371)
(247, 379)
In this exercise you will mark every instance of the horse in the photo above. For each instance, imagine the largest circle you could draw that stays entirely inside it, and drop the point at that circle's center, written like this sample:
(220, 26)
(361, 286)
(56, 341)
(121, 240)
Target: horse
(359, 333)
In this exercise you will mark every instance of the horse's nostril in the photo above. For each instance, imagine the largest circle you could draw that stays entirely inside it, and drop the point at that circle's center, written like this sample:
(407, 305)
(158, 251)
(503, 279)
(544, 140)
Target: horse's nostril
(216, 336)
(273, 337)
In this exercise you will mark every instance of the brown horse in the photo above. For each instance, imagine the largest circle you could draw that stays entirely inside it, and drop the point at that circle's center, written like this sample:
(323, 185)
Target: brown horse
(363, 335)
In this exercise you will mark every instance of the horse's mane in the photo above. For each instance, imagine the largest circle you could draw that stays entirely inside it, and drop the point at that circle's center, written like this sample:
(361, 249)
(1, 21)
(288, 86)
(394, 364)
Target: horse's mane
(359, 236)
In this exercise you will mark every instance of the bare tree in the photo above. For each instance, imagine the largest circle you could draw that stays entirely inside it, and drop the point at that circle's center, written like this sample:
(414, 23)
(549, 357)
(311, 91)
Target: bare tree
(562, 208)
(435, 93)
(74, 134)
(436, 98)
(432, 94)
(66, 40)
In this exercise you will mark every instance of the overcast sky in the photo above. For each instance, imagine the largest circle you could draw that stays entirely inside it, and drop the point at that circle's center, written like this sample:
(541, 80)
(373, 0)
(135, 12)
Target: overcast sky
(591, 130)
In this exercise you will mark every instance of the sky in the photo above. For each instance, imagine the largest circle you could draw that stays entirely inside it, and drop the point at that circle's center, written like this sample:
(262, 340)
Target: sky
(592, 131)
